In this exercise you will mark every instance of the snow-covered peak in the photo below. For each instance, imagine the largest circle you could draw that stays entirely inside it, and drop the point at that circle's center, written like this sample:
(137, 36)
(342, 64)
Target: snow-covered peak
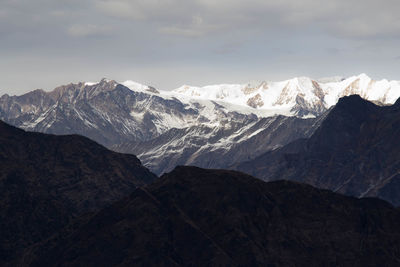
(90, 83)
(302, 85)
(135, 86)
(363, 76)
(300, 96)
(302, 81)
(262, 96)
(384, 91)
(300, 91)
(333, 79)
(222, 92)
(102, 81)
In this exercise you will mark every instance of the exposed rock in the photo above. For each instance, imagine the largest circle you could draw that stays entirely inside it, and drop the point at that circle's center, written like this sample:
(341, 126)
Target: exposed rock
(255, 101)
(218, 147)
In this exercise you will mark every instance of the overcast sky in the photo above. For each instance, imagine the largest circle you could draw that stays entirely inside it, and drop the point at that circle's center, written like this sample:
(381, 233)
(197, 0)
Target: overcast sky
(167, 43)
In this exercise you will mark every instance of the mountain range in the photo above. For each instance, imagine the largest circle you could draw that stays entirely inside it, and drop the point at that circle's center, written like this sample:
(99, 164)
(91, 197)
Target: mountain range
(197, 217)
(355, 151)
(212, 126)
(69, 201)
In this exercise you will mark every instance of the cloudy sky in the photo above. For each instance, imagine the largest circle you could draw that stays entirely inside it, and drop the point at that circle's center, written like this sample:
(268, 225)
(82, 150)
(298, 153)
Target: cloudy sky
(167, 43)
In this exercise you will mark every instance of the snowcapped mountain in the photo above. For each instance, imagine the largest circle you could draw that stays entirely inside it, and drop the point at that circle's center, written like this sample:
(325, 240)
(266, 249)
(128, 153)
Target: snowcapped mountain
(300, 96)
(208, 126)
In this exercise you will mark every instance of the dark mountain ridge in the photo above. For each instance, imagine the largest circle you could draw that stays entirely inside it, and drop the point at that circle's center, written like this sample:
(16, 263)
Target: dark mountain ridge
(198, 217)
(355, 151)
(48, 180)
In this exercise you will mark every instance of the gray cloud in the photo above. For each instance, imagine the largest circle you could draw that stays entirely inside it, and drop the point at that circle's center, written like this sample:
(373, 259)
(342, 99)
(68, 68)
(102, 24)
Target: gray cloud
(253, 39)
(87, 30)
(345, 18)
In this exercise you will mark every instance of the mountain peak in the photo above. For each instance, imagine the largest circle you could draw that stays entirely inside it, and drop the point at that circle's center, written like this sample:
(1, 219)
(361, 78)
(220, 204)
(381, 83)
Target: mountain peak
(333, 79)
(105, 80)
(69, 92)
(303, 79)
(353, 102)
(363, 76)
(135, 86)
(351, 98)
(348, 113)
(397, 103)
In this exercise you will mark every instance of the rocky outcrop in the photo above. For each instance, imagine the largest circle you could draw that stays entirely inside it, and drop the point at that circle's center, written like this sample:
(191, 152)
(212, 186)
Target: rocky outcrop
(255, 101)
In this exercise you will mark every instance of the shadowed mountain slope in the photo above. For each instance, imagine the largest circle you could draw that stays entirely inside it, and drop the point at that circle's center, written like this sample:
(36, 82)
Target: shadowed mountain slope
(198, 217)
(47, 180)
(355, 151)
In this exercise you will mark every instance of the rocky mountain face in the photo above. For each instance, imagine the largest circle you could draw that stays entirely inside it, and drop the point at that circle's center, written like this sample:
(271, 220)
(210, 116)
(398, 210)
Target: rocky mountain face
(212, 126)
(106, 112)
(220, 146)
(355, 151)
(197, 217)
(46, 181)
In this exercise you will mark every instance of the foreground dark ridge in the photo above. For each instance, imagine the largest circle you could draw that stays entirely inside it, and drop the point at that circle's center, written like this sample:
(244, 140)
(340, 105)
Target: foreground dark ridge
(47, 180)
(355, 151)
(198, 217)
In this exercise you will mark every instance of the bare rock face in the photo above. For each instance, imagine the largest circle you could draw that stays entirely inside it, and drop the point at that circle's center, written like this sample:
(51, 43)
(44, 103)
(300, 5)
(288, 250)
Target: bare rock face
(255, 101)
(219, 147)
(315, 107)
(284, 97)
(355, 151)
(250, 89)
(106, 112)
(153, 90)
(304, 108)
